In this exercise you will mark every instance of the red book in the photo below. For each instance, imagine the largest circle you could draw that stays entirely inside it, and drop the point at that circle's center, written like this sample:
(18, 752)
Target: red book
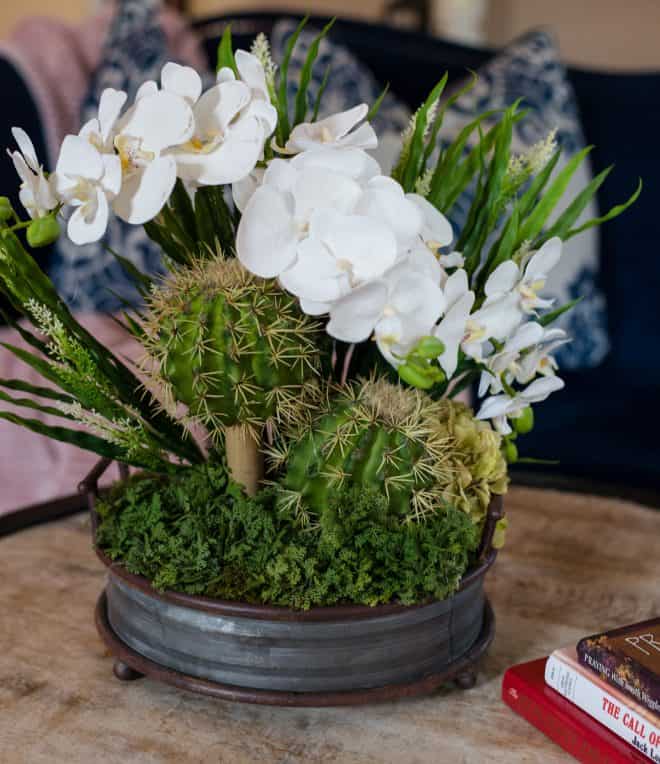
(525, 690)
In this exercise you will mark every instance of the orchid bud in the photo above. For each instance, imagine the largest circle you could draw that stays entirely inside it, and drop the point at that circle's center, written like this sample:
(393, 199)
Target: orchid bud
(524, 423)
(6, 210)
(43, 231)
(510, 452)
(415, 375)
(429, 347)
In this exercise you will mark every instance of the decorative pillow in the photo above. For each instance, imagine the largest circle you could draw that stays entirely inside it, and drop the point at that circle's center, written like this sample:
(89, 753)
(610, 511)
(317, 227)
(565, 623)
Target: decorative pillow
(530, 69)
(136, 48)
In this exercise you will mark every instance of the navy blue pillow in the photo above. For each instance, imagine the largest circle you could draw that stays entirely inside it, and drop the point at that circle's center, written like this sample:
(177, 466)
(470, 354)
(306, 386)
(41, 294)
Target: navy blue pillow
(621, 116)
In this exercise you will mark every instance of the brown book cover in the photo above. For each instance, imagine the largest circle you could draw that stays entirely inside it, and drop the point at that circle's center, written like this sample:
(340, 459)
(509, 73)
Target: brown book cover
(628, 659)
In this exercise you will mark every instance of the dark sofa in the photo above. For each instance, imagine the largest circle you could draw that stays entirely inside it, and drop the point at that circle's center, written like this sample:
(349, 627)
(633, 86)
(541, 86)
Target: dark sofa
(604, 427)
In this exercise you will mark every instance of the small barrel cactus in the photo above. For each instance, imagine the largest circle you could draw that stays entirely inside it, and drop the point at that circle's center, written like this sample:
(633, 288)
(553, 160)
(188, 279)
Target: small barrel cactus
(423, 454)
(234, 348)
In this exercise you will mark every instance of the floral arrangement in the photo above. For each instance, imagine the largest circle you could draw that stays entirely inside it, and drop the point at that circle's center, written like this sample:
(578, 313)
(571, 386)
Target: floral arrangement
(319, 319)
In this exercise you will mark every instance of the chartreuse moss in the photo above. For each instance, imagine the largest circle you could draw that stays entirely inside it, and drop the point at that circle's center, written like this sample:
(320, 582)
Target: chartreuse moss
(422, 455)
(198, 533)
(234, 348)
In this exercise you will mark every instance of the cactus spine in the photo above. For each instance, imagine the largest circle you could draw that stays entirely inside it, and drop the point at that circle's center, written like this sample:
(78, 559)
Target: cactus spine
(398, 440)
(236, 350)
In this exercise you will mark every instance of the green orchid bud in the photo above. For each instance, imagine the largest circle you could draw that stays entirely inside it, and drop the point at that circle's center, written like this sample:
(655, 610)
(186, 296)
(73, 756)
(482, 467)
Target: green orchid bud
(43, 231)
(510, 452)
(429, 347)
(415, 375)
(525, 422)
(6, 210)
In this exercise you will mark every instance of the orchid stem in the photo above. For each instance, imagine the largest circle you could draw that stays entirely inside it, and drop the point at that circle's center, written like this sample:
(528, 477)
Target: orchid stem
(347, 363)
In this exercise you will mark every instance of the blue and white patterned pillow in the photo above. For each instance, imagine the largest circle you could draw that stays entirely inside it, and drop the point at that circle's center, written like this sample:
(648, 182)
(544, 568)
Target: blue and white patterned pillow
(530, 69)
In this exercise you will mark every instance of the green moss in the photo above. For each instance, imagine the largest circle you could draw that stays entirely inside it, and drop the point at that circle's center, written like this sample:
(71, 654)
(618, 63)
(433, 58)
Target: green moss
(197, 533)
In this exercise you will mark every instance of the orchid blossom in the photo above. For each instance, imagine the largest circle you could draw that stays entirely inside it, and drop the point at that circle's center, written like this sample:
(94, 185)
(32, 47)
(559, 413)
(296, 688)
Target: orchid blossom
(528, 279)
(342, 252)
(500, 408)
(157, 122)
(226, 142)
(451, 330)
(539, 360)
(336, 131)
(86, 179)
(399, 308)
(36, 192)
(278, 215)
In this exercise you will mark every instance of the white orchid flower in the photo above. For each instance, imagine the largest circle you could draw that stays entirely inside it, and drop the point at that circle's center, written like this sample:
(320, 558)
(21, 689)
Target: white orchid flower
(451, 330)
(226, 142)
(243, 190)
(278, 215)
(528, 279)
(497, 319)
(539, 360)
(86, 179)
(252, 73)
(335, 131)
(36, 192)
(385, 200)
(399, 308)
(342, 252)
(436, 230)
(500, 408)
(505, 362)
(353, 162)
(100, 131)
(156, 123)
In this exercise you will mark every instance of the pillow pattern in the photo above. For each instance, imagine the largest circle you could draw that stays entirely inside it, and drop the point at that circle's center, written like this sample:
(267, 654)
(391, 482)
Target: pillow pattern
(529, 69)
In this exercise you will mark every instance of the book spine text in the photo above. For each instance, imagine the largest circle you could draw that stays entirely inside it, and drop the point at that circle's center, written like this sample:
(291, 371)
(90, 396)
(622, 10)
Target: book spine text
(604, 708)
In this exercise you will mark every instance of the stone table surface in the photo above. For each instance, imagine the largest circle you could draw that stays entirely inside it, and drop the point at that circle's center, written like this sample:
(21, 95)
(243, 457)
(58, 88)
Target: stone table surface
(573, 565)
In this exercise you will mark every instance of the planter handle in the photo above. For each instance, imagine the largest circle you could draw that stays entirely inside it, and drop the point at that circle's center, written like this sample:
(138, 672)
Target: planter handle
(90, 486)
(494, 513)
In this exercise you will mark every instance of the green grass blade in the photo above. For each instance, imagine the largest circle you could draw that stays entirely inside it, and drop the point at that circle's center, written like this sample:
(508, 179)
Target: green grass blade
(553, 315)
(564, 222)
(43, 392)
(74, 437)
(533, 224)
(319, 95)
(182, 207)
(142, 281)
(226, 52)
(437, 123)
(306, 74)
(613, 213)
(375, 107)
(283, 124)
(34, 405)
(416, 155)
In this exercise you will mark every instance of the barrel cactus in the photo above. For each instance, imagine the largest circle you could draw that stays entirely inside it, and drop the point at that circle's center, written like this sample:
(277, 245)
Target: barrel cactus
(423, 454)
(234, 348)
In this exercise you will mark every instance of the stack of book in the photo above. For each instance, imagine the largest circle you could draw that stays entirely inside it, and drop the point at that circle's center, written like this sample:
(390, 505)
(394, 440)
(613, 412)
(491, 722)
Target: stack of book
(599, 700)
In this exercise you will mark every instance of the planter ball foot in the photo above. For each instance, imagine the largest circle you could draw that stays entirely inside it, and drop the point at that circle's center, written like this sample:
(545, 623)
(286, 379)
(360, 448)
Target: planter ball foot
(466, 679)
(125, 673)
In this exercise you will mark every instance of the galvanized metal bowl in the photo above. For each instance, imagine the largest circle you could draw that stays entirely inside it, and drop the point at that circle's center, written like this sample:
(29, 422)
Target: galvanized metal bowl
(323, 656)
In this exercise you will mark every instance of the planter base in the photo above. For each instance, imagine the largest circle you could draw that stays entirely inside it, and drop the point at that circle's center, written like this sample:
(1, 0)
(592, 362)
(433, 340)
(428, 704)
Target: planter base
(131, 665)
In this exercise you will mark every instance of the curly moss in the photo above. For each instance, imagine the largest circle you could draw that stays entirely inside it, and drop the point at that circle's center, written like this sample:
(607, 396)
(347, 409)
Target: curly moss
(197, 533)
